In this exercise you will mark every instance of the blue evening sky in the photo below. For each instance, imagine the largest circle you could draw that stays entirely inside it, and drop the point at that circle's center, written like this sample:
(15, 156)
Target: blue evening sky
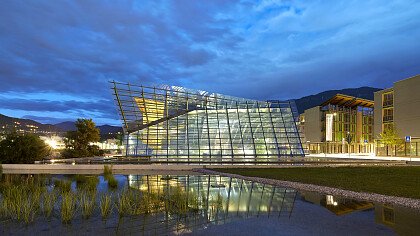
(56, 56)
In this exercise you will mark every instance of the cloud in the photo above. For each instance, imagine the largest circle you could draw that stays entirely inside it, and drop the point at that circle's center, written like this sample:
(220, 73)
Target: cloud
(69, 50)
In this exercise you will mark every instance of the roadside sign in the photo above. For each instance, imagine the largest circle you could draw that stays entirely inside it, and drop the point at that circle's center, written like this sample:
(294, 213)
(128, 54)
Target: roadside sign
(408, 139)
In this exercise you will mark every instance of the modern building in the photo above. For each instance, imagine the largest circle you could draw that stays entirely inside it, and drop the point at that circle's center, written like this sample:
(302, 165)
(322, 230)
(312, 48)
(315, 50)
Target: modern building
(327, 127)
(175, 124)
(399, 107)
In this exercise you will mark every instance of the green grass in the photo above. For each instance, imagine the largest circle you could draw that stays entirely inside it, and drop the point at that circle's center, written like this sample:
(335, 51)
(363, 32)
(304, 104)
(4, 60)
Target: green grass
(393, 181)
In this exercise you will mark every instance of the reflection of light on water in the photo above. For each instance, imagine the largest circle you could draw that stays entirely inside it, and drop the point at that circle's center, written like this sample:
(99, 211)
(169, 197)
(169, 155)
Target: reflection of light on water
(330, 200)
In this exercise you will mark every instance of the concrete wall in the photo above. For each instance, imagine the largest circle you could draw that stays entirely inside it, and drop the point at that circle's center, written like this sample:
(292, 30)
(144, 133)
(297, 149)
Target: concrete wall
(313, 124)
(407, 106)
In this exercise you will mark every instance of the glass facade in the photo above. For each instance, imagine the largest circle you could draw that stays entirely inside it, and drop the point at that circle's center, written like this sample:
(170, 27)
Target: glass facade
(175, 124)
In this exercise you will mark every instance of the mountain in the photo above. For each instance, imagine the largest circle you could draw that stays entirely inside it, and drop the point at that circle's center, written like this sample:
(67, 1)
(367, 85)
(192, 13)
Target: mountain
(66, 126)
(315, 100)
(69, 126)
(24, 125)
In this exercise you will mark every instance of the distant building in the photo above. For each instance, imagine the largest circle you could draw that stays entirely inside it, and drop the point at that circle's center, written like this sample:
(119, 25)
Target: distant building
(399, 107)
(327, 126)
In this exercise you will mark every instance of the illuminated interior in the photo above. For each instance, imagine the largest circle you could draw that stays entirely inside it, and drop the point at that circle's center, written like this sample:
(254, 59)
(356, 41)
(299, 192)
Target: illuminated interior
(175, 124)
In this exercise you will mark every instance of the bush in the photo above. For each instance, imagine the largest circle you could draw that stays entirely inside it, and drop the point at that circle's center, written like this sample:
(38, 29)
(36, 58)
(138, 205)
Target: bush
(23, 149)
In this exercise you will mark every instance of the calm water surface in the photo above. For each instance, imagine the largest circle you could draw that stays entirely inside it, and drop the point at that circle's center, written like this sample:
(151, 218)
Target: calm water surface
(216, 206)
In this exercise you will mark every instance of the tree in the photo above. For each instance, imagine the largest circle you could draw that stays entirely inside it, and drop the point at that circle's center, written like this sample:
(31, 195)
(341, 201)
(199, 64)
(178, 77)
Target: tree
(23, 149)
(78, 143)
(390, 137)
(349, 139)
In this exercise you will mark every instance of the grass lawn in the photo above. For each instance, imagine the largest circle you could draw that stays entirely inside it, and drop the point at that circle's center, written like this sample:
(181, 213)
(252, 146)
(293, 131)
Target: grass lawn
(393, 181)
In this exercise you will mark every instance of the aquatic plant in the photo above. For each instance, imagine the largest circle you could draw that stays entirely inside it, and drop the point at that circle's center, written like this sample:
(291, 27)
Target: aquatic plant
(63, 185)
(105, 204)
(87, 182)
(107, 170)
(219, 201)
(21, 202)
(112, 182)
(68, 206)
(87, 200)
(80, 178)
(125, 203)
(50, 198)
(150, 202)
(203, 200)
(194, 202)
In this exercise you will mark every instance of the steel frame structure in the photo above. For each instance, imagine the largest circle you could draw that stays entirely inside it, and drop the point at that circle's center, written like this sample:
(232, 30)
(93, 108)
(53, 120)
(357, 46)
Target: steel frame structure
(176, 124)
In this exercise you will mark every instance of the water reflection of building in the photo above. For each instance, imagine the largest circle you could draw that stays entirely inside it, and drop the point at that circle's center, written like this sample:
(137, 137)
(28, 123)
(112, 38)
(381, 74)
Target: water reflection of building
(221, 200)
(403, 220)
(337, 205)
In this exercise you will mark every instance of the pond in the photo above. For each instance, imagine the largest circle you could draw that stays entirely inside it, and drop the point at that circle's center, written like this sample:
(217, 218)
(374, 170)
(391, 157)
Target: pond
(190, 204)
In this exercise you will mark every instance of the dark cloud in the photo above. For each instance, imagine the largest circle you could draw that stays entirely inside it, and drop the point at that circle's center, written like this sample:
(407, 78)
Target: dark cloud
(261, 50)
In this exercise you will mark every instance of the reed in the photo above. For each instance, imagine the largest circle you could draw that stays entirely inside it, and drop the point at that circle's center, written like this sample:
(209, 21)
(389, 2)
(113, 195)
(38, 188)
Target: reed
(194, 202)
(89, 183)
(21, 203)
(126, 204)
(219, 201)
(112, 182)
(63, 185)
(80, 178)
(107, 170)
(87, 203)
(28, 209)
(50, 198)
(68, 207)
(105, 204)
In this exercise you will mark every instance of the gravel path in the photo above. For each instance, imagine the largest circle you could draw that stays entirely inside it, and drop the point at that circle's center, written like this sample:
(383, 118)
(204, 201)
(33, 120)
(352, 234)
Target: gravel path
(406, 202)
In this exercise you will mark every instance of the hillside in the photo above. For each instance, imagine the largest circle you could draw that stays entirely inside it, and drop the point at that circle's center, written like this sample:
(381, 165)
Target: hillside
(15, 124)
(8, 124)
(315, 100)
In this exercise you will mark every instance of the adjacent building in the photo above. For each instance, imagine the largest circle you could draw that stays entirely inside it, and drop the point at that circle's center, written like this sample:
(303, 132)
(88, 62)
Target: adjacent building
(342, 118)
(176, 124)
(399, 107)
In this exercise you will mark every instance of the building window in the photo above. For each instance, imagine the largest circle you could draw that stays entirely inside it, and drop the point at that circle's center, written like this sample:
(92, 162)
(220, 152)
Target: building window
(388, 115)
(388, 99)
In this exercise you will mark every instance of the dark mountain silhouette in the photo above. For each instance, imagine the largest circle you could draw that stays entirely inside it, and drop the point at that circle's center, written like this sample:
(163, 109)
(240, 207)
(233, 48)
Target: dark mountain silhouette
(315, 100)
(66, 126)
(8, 124)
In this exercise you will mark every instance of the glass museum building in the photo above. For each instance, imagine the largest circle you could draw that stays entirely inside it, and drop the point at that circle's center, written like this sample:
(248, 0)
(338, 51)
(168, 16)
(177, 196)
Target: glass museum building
(178, 125)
